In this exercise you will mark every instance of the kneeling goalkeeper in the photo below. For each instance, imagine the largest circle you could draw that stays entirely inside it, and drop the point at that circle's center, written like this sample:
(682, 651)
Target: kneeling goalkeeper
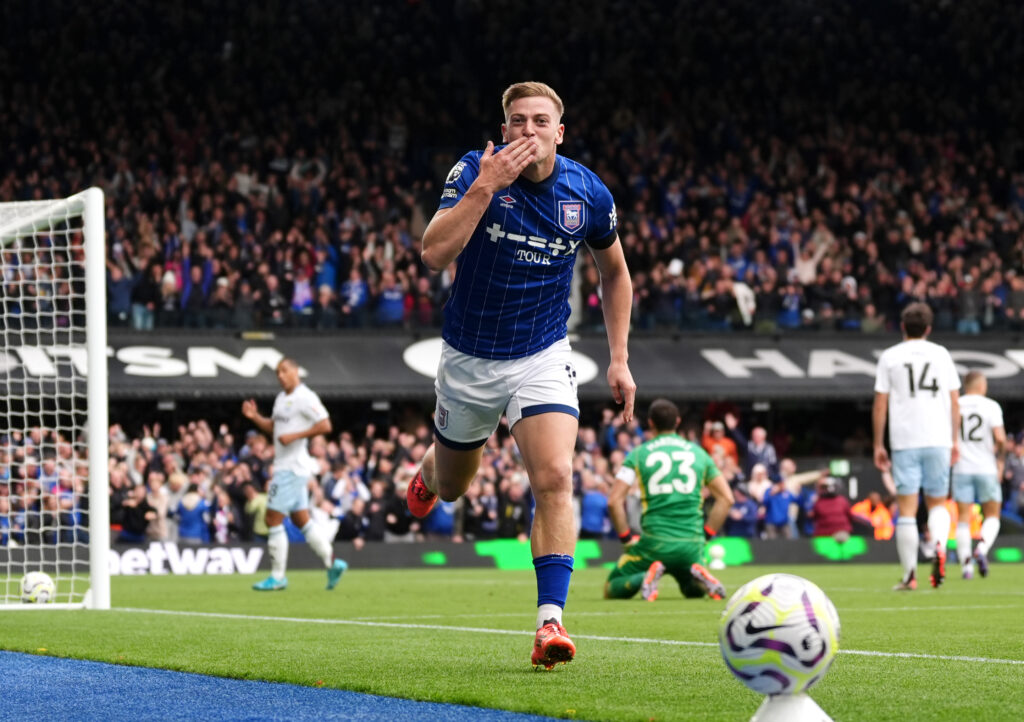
(672, 473)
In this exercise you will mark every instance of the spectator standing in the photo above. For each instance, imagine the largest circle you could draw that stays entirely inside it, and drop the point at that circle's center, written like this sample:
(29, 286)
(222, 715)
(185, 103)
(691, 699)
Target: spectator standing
(871, 512)
(146, 298)
(355, 299)
(489, 501)
(390, 298)
(168, 314)
(831, 511)
(353, 526)
(119, 292)
(593, 508)
(743, 516)
(1013, 479)
(193, 517)
(759, 483)
(513, 509)
(256, 510)
(177, 487)
(778, 501)
(136, 517)
(714, 438)
(757, 449)
(158, 501)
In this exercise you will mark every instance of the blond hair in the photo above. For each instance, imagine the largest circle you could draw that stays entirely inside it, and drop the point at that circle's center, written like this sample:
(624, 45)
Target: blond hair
(530, 89)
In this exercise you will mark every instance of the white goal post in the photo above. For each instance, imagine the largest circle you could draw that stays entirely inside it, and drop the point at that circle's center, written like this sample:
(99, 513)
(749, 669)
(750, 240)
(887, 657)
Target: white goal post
(54, 485)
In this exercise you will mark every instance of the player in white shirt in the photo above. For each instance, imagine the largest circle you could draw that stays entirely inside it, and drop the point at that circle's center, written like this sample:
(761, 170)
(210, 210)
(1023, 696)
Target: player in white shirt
(298, 415)
(977, 475)
(917, 387)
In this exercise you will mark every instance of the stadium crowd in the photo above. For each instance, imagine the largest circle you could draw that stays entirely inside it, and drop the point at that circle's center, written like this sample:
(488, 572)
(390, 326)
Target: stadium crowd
(757, 188)
(777, 166)
(199, 485)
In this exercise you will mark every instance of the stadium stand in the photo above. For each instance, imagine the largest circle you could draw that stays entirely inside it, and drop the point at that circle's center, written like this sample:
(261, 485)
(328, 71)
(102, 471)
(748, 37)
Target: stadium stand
(794, 193)
(262, 175)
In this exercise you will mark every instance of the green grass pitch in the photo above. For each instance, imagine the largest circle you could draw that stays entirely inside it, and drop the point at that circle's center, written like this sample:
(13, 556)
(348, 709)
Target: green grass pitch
(464, 636)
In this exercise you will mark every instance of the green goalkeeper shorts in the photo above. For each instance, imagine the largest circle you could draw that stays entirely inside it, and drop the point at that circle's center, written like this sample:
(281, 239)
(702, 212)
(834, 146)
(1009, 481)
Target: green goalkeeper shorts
(676, 555)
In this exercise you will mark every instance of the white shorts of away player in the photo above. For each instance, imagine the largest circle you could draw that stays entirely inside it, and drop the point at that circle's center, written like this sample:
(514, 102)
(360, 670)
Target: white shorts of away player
(287, 492)
(970, 488)
(473, 393)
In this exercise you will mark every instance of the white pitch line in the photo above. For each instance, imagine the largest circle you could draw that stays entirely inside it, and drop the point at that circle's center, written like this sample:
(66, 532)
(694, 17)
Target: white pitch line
(943, 657)
(872, 610)
(592, 637)
(676, 612)
(487, 615)
(976, 591)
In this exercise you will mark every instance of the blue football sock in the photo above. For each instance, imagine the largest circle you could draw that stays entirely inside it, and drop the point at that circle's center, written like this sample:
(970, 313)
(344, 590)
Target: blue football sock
(553, 572)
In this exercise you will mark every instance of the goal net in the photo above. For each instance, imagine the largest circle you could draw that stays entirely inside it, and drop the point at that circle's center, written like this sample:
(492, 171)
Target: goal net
(54, 505)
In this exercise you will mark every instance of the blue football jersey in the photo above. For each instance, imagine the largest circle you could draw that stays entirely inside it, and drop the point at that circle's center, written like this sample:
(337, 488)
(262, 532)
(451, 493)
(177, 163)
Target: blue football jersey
(510, 297)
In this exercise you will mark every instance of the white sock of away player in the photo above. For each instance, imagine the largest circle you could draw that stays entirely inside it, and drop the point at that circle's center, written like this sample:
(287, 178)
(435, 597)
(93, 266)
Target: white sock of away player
(938, 526)
(989, 532)
(963, 543)
(906, 544)
(316, 536)
(277, 547)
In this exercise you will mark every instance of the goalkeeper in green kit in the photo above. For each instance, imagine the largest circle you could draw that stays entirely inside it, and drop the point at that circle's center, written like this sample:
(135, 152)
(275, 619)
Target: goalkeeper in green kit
(672, 473)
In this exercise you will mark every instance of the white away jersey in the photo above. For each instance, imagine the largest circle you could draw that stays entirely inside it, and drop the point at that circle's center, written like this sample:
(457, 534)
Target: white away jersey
(510, 297)
(978, 416)
(293, 412)
(918, 375)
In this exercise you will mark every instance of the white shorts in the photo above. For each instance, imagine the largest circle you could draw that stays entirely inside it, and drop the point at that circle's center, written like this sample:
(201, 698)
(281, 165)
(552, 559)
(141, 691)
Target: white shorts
(473, 393)
(925, 468)
(968, 488)
(288, 492)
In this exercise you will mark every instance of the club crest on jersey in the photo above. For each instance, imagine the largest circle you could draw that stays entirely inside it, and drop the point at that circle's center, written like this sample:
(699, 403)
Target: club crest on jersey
(570, 215)
(442, 417)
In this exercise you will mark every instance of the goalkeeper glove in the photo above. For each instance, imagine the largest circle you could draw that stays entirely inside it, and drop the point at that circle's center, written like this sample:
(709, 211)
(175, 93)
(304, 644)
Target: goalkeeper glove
(628, 537)
(708, 532)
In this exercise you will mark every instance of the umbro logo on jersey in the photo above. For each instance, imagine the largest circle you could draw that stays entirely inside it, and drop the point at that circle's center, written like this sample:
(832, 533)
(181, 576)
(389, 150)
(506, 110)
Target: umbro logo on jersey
(506, 200)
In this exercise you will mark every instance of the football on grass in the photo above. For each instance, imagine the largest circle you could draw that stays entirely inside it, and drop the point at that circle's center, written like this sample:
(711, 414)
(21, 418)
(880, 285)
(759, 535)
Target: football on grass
(37, 588)
(779, 634)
